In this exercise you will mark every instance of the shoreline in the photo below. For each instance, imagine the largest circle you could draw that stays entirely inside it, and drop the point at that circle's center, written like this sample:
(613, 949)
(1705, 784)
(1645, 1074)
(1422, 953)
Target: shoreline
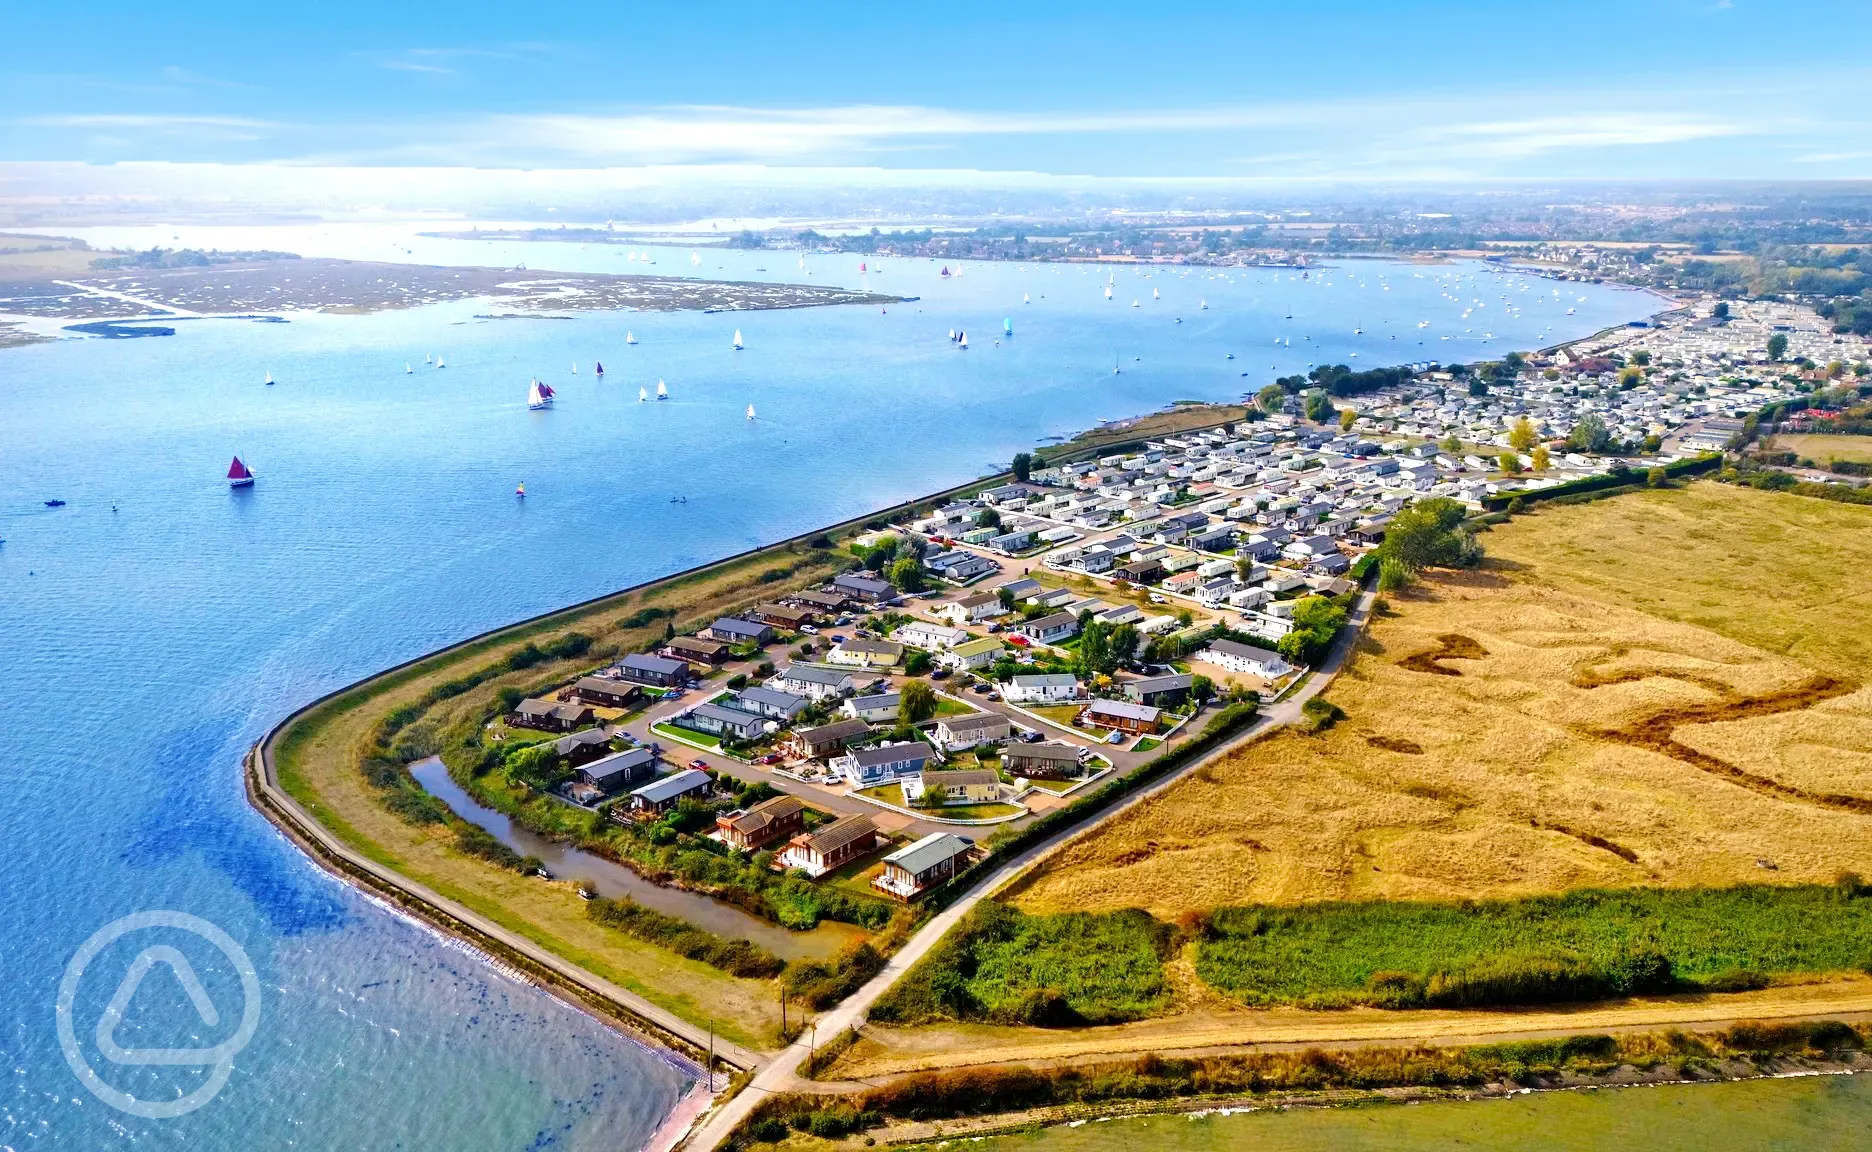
(634, 1015)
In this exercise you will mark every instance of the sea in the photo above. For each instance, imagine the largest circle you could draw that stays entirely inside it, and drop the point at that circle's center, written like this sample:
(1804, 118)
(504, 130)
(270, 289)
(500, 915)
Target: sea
(155, 624)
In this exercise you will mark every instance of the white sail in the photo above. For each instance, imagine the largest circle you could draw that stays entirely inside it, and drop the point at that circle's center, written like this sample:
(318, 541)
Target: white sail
(737, 339)
(662, 392)
(629, 338)
(964, 340)
(695, 259)
(1108, 289)
(750, 411)
(269, 377)
(439, 363)
(407, 368)
(536, 398)
(642, 394)
(1154, 295)
(1204, 304)
(575, 367)
(1025, 299)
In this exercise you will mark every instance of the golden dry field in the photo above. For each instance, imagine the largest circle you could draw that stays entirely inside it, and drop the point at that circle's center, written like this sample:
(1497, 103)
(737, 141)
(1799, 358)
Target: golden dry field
(1821, 448)
(1662, 688)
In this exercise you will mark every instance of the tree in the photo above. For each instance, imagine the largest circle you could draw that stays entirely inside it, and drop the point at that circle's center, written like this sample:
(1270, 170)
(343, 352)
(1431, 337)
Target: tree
(1721, 311)
(1023, 465)
(1589, 435)
(1094, 648)
(1124, 644)
(1347, 418)
(1316, 620)
(1652, 443)
(1522, 436)
(1007, 599)
(1201, 688)
(1543, 459)
(916, 702)
(1430, 534)
(987, 518)
(1451, 444)
(916, 662)
(1271, 398)
(1509, 463)
(1319, 406)
(1641, 358)
(1244, 570)
(1777, 346)
(1655, 478)
(906, 574)
(1478, 387)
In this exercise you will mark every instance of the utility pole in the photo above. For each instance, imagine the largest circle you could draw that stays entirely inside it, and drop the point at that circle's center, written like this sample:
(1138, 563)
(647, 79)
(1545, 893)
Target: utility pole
(711, 1054)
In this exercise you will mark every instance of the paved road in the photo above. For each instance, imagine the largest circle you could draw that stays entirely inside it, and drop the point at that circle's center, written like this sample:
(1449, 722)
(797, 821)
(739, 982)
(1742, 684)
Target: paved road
(780, 1075)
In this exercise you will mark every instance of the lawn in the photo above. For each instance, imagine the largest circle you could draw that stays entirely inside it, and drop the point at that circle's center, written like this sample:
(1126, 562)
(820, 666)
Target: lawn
(948, 707)
(991, 811)
(1001, 965)
(1588, 944)
(1147, 744)
(1661, 689)
(1061, 714)
(1057, 787)
(690, 735)
(891, 793)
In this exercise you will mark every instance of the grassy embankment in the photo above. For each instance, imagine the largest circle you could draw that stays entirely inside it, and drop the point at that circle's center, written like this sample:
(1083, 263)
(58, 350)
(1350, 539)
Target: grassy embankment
(417, 709)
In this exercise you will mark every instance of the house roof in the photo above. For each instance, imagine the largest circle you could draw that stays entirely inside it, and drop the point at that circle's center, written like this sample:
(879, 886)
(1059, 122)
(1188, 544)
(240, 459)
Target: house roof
(773, 698)
(671, 786)
(696, 644)
(732, 717)
(1054, 752)
(1174, 682)
(960, 777)
(1242, 651)
(838, 730)
(1046, 680)
(618, 763)
(844, 831)
(881, 700)
(913, 750)
(813, 674)
(930, 851)
(735, 626)
(566, 745)
(765, 814)
(608, 686)
(975, 720)
(1124, 708)
(658, 664)
(977, 647)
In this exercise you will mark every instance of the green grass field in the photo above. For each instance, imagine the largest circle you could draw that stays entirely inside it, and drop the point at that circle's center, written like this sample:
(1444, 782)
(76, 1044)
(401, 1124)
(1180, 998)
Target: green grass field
(1584, 945)
(686, 734)
(1002, 965)
(1802, 1115)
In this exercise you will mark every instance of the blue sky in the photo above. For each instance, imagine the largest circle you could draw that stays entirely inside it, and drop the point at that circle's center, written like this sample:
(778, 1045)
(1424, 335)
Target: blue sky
(1344, 91)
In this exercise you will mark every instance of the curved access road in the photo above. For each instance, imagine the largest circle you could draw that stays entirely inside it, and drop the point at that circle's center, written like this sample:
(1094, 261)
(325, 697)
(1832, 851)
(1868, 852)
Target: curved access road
(781, 1074)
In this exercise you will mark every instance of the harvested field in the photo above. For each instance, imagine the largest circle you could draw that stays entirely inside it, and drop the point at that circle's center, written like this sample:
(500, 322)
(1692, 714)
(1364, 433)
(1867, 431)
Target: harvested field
(1822, 447)
(1661, 689)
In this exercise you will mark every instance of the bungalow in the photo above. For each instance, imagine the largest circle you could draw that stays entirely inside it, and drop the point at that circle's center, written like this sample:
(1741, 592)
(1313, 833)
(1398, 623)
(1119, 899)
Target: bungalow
(868, 766)
(1160, 691)
(960, 567)
(1214, 539)
(864, 588)
(1044, 761)
(1050, 629)
(826, 739)
(929, 636)
(956, 732)
(785, 616)
(1246, 659)
(964, 786)
(1020, 589)
(1009, 543)
(728, 722)
(878, 709)
(734, 630)
(770, 820)
(1042, 688)
(604, 693)
(1122, 715)
(972, 655)
(812, 681)
(583, 747)
(866, 653)
(662, 795)
(653, 670)
(550, 717)
(695, 650)
(915, 869)
(768, 702)
(971, 609)
(618, 770)
(1053, 599)
(822, 601)
(843, 840)
(1141, 572)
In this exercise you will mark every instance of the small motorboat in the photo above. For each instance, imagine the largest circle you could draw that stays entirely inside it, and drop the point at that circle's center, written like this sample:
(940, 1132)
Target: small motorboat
(55, 503)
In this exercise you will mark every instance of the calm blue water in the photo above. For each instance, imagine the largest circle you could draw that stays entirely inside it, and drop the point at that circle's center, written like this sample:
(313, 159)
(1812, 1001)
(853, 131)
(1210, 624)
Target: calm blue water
(142, 650)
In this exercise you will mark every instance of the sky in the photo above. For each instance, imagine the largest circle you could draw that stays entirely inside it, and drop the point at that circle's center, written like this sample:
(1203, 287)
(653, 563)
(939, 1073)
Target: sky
(1248, 91)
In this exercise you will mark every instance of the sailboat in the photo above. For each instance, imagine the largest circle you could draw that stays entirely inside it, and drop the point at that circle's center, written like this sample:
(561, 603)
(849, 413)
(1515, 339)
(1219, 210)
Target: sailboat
(428, 359)
(539, 396)
(1134, 303)
(1007, 327)
(737, 340)
(642, 394)
(1108, 289)
(1203, 305)
(1024, 299)
(695, 259)
(520, 490)
(439, 363)
(575, 367)
(598, 368)
(945, 272)
(239, 475)
(629, 338)
(1154, 295)
(750, 411)
(269, 379)
(962, 341)
(662, 392)
(406, 368)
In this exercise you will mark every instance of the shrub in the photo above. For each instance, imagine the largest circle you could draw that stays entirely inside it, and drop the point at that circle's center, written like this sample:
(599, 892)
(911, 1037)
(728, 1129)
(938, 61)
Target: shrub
(736, 957)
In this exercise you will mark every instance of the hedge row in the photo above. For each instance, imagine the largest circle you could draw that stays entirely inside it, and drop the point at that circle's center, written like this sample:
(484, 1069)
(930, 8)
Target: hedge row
(1695, 466)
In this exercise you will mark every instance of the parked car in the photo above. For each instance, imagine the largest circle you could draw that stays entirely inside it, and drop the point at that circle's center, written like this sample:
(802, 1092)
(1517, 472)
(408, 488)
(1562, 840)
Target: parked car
(1159, 598)
(940, 674)
(770, 758)
(809, 630)
(843, 621)
(837, 638)
(1115, 738)
(698, 763)
(994, 626)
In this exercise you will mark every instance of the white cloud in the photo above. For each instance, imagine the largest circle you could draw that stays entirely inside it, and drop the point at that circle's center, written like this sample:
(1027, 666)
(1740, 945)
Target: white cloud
(141, 120)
